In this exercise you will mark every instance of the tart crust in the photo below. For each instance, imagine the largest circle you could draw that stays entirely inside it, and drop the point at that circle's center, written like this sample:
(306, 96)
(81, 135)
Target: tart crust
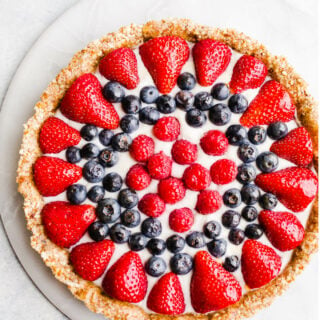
(87, 60)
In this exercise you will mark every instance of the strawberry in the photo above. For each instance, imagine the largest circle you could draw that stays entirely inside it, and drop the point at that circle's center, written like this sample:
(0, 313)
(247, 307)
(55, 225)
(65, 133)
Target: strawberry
(223, 171)
(181, 220)
(91, 259)
(171, 190)
(66, 223)
(214, 143)
(166, 297)
(272, 103)
(283, 229)
(151, 205)
(85, 103)
(142, 148)
(53, 175)
(248, 73)
(212, 287)
(209, 201)
(294, 187)
(126, 279)
(164, 58)
(137, 177)
(196, 177)
(184, 152)
(159, 166)
(259, 264)
(167, 129)
(211, 59)
(120, 65)
(56, 135)
(295, 147)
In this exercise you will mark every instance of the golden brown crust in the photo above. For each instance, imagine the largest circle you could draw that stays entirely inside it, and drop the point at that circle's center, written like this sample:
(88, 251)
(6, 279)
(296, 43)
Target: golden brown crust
(86, 61)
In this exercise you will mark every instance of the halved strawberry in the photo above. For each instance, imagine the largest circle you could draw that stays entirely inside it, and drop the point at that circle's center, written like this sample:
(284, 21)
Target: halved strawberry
(126, 280)
(166, 297)
(91, 259)
(283, 229)
(53, 175)
(164, 58)
(272, 103)
(294, 187)
(120, 65)
(259, 264)
(66, 223)
(248, 73)
(211, 59)
(295, 147)
(212, 287)
(85, 103)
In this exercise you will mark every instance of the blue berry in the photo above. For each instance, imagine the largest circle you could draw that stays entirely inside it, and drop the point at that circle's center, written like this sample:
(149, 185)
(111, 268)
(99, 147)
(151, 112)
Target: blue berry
(119, 234)
(246, 173)
(196, 239)
(149, 115)
(156, 246)
(175, 243)
(108, 157)
(181, 263)
(129, 123)
(238, 103)
(232, 198)
(149, 94)
(76, 193)
(151, 227)
(196, 118)
(137, 241)
(130, 218)
(156, 266)
(73, 155)
(93, 171)
(231, 219)
(267, 161)
(220, 91)
(96, 193)
(253, 231)
(250, 194)
(131, 104)
(236, 236)
(108, 210)
(247, 152)
(89, 151)
(105, 136)
(113, 91)
(277, 130)
(257, 135)
(249, 213)
(121, 142)
(217, 247)
(212, 229)
(268, 201)
(112, 182)
(184, 100)
(88, 132)
(186, 81)
(219, 114)
(166, 104)
(128, 198)
(98, 231)
(203, 101)
(236, 134)
(231, 263)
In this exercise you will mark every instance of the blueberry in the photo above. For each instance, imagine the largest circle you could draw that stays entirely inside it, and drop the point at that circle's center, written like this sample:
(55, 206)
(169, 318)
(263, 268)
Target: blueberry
(267, 161)
(246, 173)
(249, 213)
(220, 91)
(108, 157)
(149, 115)
(181, 263)
(212, 229)
(236, 236)
(131, 104)
(236, 134)
(247, 152)
(203, 101)
(185, 100)
(137, 241)
(149, 94)
(250, 194)
(76, 193)
(238, 103)
(217, 247)
(186, 81)
(93, 171)
(166, 104)
(121, 142)
(196, 239)
(277, 130)
(119, 234)
(268, 201)
(232, 198)
(219, 114)
(108, 210)
(175, 243)
(98, 231)
(130, 218)
(73, 155)
(196, 118)
(156, 246)
(96, 193)
(128, 198)
(105, 136)
(231, 263)
(151, 227)
(129, 123)
(113, 91)
(155, 266)
(231, 219)
(112, 182)
(257, 135)
(253, 231)
(88, 132)
(89, 151)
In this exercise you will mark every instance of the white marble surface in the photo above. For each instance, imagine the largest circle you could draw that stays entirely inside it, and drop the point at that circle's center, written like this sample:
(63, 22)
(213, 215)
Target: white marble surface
(287, 28)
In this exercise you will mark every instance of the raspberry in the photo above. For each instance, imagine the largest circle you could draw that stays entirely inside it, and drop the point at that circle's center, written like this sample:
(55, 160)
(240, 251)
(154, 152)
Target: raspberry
(142, 148)
(214, 143)
(181, 220)
(209, 201)
(137, 177)
(184, 152)
(159, 166)
(151, 205)
(171, 190)
(196, 177)
(223, 171)
(167, 129)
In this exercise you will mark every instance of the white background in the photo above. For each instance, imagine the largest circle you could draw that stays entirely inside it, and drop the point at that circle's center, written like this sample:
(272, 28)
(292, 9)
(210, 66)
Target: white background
(286, 27)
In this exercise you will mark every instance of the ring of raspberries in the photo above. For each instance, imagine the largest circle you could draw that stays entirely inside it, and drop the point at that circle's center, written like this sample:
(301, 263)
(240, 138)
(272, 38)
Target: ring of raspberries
(120, 185)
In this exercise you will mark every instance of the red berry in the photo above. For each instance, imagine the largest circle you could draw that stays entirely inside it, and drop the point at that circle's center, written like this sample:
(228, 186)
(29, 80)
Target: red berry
(142, 148)
(171, 190)
(196, 177)
(209, 201)
(184, 152)
(137, 177)
(214, 143)
(159, 166)
(181, 220)
(167, 129)
(223, 171)
(152, 205)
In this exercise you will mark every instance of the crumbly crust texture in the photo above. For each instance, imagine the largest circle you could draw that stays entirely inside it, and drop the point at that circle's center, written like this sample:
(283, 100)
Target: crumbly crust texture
(87, 60)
